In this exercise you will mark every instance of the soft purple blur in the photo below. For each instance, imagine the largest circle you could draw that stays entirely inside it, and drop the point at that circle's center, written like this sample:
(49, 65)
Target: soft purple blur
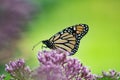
(14, 15)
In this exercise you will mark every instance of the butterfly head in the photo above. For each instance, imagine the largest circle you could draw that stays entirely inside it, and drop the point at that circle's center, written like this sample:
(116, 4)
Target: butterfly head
(48, 44)
(45, 42)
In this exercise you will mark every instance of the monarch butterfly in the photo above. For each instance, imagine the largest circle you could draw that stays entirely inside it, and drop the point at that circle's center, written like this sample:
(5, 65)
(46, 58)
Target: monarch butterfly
(68, 39)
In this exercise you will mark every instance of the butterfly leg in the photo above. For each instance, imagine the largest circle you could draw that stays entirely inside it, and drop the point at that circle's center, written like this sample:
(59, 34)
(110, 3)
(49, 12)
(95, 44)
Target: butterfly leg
(43, 47)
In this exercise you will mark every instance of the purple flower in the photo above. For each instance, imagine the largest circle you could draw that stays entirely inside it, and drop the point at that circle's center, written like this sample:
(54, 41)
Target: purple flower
(18, 70)
(112, 75)
(56, 65)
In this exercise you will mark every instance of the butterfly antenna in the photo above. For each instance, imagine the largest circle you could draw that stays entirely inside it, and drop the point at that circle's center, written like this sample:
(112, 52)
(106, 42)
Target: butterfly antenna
(36, 45)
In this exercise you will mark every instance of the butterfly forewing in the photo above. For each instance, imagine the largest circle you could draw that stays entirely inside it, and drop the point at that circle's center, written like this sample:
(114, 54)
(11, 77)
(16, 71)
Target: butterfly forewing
(69, 38)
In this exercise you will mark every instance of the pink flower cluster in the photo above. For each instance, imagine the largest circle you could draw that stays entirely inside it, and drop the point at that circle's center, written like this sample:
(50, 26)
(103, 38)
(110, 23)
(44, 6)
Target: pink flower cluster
(55, 65)
(18, 70)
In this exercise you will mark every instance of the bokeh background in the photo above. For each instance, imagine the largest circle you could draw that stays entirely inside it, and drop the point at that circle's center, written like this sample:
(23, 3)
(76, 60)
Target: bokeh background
(23, 23)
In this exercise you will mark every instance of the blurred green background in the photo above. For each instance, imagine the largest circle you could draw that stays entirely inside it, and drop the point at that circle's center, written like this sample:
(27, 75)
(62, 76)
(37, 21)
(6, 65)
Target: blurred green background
(99, 49)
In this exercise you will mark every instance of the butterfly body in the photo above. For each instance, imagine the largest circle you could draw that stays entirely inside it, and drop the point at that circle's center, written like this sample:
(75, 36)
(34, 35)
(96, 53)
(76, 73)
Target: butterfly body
(68, 39)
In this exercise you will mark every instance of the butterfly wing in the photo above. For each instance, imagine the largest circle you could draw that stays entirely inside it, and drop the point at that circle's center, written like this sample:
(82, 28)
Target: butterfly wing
(69, 38)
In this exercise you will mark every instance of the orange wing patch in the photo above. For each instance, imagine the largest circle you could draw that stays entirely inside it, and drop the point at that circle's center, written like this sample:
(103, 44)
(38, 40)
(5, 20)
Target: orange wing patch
(79, 29)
